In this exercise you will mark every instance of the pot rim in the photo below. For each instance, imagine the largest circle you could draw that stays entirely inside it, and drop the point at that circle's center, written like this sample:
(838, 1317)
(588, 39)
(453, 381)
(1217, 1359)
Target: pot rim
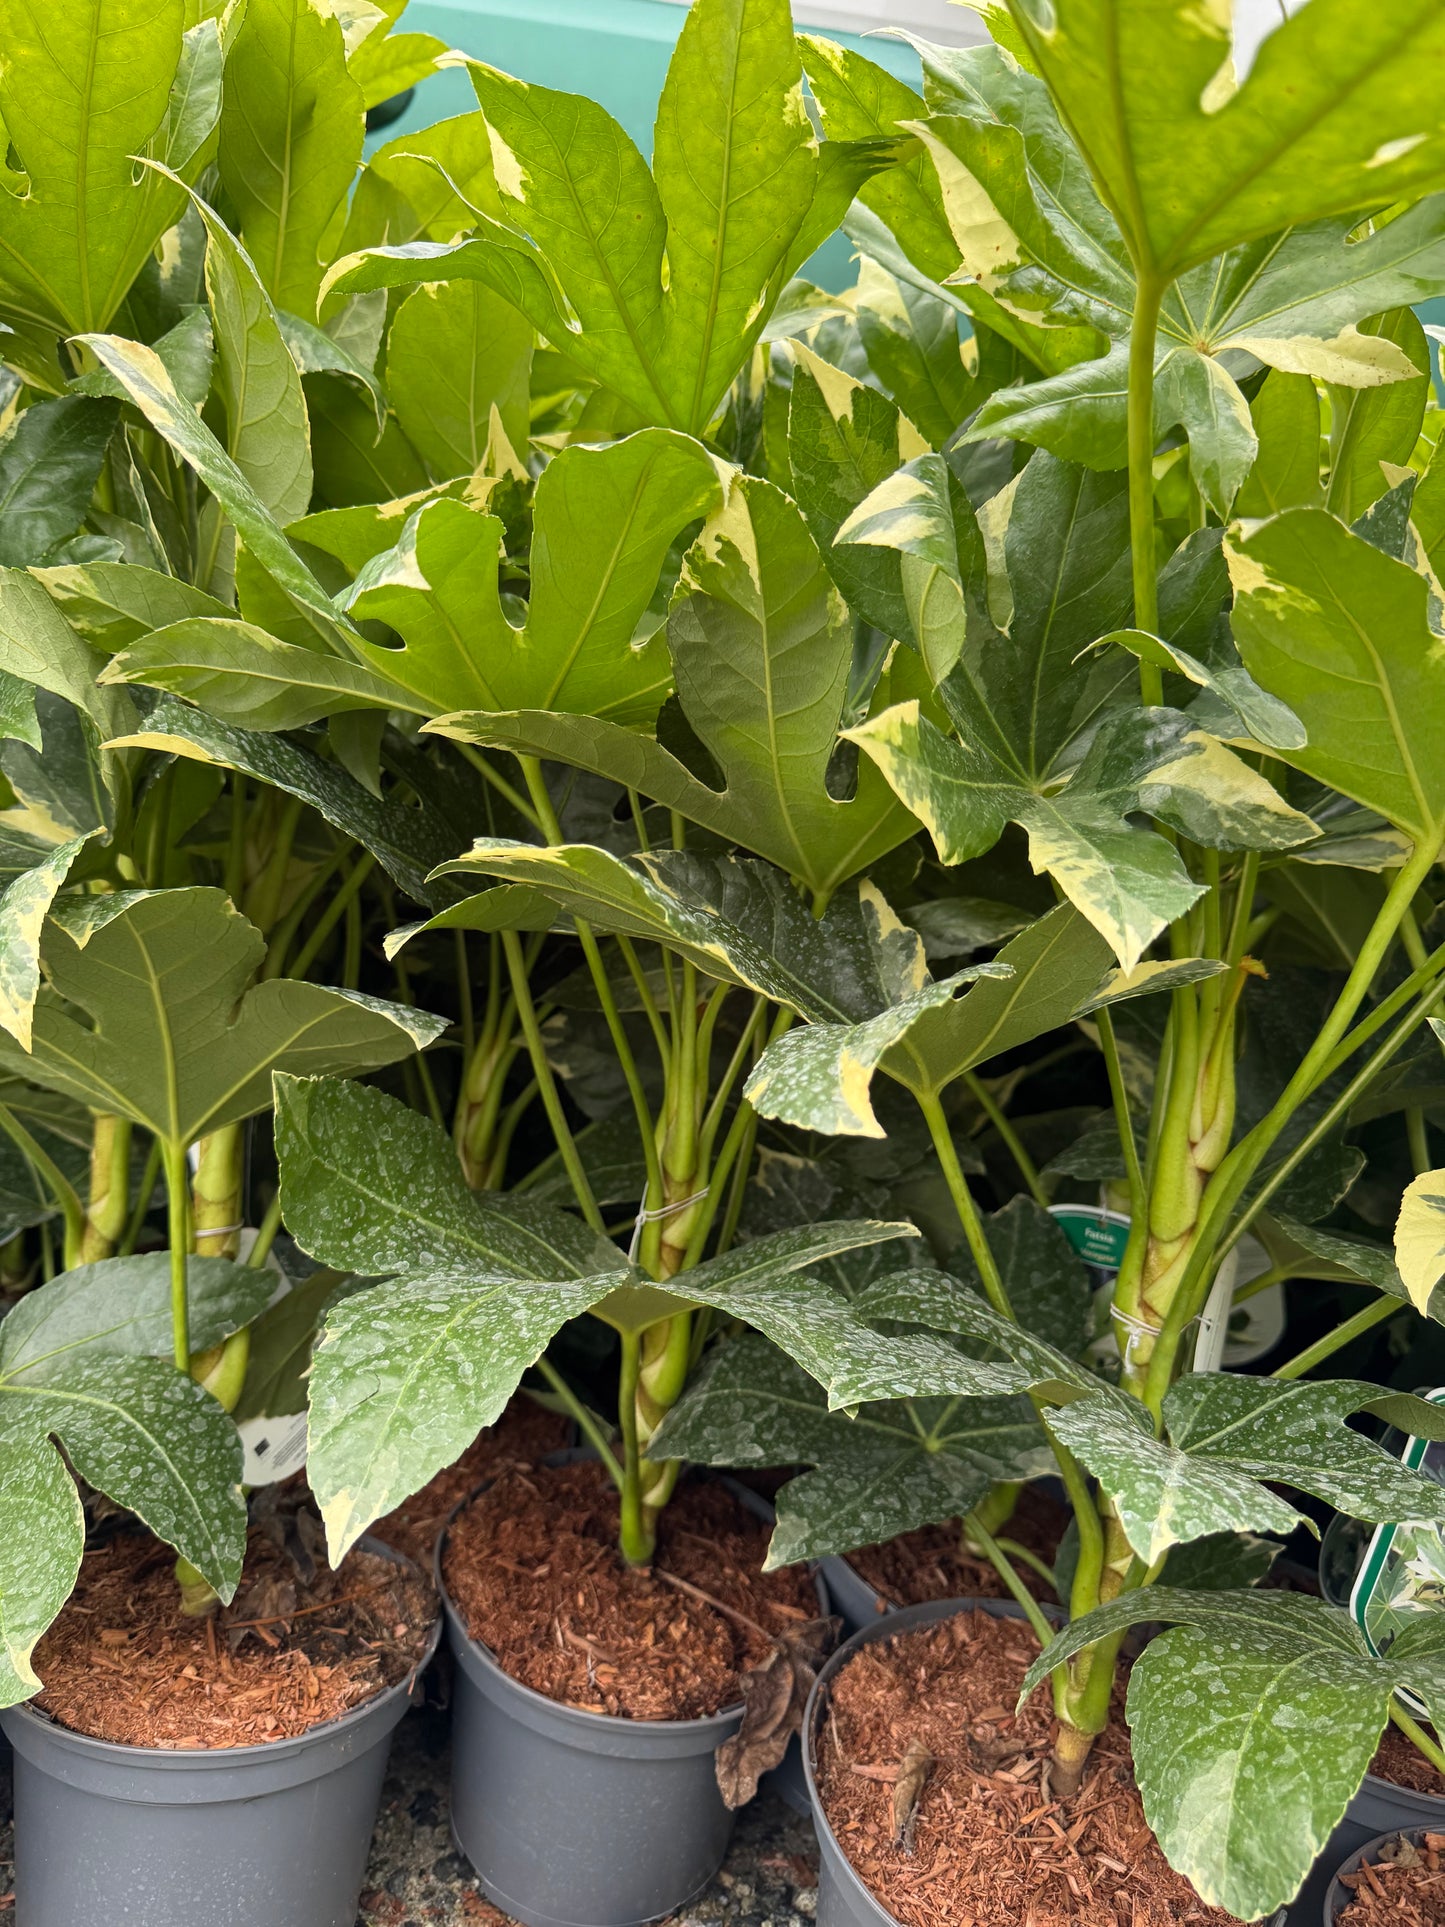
(726, 1718)
(1335, 1893)
(889, 1626)
(199, 1758)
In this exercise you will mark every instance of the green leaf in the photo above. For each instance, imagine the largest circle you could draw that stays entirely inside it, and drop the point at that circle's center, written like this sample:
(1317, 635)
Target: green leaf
(268, 435)
(49, 463)
(407, 1372)
(83, 92)
(1420, 1238)
(1286, 473)
(241, 674)
(121, 1307)
(603, 521)
(176, 1035)
(79, 1362)
(1242, 1801)
(291, 134)
(149, 1438)
(1340, 631)
(1226, 1435)
(147, 383)
(888, 1470)
(1268, 720)
(40, 1553)
(844, 440)
(24, 905)
(282, 1339)
(455, 352)
(371, 1186)
(761, 651)
(1369, 426)
(860, 100)
(111, 604)
(735, 168)
(1334, 115)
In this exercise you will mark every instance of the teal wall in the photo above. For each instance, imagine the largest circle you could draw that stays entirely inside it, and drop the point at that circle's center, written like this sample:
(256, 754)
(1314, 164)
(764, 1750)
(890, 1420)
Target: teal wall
(615, 50)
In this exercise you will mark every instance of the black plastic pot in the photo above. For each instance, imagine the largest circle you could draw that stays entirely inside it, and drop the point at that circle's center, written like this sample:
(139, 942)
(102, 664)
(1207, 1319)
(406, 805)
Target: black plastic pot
(844, 1900)
(858, 1604)
(274, 1835)
(1377, 1811)
(1338, 1895)
(576, 1819)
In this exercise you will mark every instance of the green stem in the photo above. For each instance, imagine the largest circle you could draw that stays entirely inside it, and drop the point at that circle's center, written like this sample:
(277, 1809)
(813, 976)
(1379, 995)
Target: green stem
(1374, 1314)
(635, 1538)
(1138, 1193)
(994, 1553)
(1235, 1172)
(150, 1177)
(546, 1084)
(983, 1258)
(1414, 1732)
(266, 1236)
(178, 1192)
(1145, 327)
(584, 1420)
(498, 782)
(285, 933)
(1029, 1559)
(332, 915)
(997, 1117)
(263, 899)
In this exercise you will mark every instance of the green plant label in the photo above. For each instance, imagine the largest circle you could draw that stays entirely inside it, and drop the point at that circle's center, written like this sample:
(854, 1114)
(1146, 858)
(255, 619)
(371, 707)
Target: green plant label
(1099, 1236)
(1402, 1574)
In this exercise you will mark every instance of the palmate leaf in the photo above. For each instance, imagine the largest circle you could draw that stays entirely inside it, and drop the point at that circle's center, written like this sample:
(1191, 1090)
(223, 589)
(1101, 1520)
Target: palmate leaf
(168, 1032)
(1341, 632)
(761, 654)
(1225, 1435)
(1056, 966)
(888, 1470)
(1128, 882)
(1244, 1795)
(1035, 236)
(603, 520)
(80, 1364)
(1337, 112)
(656, 284)
(408, 1371)
(83, 92)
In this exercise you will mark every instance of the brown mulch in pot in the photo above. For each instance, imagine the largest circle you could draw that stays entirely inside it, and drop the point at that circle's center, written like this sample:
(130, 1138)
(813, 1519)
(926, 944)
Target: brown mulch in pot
(299, 1644)
(525, 1434)
(971, 1837)
(1404, 1887)
(1402, 1764)
(533, 1567)
(932, 1563)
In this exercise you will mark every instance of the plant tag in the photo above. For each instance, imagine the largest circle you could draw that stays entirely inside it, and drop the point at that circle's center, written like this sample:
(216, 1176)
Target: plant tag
(274, 1448)
(1099, 1236)
(1403, 1571)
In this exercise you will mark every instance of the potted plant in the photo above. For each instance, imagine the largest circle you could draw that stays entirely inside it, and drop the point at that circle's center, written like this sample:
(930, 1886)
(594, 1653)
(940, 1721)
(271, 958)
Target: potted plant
(1035, 717)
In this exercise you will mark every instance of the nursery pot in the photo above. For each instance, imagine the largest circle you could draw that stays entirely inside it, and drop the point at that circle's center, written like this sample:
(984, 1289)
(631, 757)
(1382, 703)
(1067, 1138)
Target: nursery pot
(843, 1898)
(274, 1835)
(1338, 1895)
(576, 1819)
